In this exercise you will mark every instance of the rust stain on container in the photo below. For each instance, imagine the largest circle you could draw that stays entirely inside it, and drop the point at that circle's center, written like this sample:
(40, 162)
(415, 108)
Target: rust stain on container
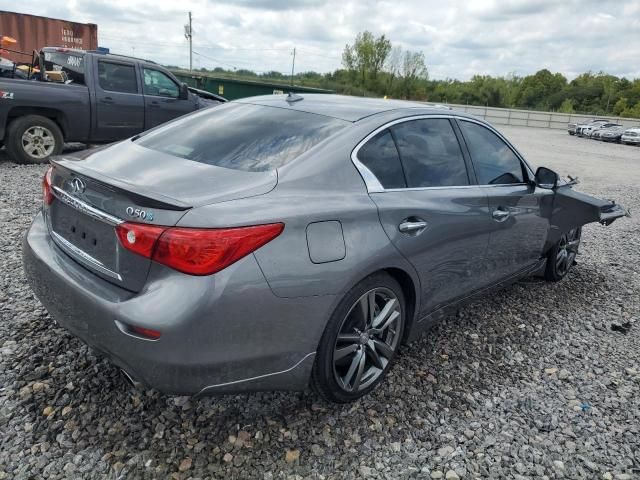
(33, 32)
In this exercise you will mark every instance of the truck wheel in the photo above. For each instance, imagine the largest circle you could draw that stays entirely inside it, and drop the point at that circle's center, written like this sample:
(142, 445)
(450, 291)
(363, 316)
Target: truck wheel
(33, 139)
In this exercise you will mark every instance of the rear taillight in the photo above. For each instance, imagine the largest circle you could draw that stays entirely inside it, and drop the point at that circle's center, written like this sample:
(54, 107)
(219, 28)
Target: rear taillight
(196, 251)
(47, 193)
(139, 238)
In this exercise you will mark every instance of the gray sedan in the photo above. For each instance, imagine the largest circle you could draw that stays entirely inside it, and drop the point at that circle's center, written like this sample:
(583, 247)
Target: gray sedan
(282, 241)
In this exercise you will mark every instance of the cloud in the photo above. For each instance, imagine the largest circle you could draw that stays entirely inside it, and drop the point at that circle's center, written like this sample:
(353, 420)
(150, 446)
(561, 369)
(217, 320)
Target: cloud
(459, 38)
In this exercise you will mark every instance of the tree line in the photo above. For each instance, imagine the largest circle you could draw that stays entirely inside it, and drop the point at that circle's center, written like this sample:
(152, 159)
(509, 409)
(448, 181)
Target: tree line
(372, 66)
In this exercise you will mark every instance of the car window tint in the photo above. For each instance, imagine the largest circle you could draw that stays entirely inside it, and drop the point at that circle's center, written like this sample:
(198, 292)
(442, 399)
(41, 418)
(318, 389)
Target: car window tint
(430, 153)
(381, 157)
(494, 162)
(159, 84)
(116, 77)
(240, 136)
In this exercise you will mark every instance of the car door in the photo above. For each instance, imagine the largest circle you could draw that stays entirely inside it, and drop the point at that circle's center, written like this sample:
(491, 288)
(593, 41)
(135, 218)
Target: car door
(428, 206)
(162, 98)
(520, 211)
(119, 103)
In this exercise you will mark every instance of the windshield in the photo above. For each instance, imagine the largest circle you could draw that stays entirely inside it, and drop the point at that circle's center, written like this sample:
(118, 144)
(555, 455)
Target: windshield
(245, 137)
(70, 63)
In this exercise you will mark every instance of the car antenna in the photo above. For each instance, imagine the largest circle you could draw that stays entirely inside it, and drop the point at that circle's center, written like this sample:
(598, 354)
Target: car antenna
(293, 97)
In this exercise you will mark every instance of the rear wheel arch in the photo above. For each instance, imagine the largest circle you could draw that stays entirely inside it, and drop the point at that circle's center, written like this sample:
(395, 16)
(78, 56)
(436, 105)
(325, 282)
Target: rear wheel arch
(410, 290)
(411, 296)
(52, 114)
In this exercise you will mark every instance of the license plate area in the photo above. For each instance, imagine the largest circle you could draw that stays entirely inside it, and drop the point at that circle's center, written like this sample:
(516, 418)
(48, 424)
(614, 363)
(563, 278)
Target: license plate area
(90, 236)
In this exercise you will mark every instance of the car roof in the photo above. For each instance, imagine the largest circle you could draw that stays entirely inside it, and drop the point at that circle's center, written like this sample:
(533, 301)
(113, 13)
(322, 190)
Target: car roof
(342, 107)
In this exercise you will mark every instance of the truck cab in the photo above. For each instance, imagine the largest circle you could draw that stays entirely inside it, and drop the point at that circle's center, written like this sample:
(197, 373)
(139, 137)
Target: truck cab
(89, 97)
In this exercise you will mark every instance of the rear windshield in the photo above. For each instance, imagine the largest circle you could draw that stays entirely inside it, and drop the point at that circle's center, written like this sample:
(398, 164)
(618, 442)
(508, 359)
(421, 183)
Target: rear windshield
(245, 137)
(71, 63)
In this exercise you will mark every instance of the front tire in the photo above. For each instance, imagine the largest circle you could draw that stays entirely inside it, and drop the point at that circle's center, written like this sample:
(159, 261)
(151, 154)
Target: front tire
(562, 256)
(361, 340)
(33, 139)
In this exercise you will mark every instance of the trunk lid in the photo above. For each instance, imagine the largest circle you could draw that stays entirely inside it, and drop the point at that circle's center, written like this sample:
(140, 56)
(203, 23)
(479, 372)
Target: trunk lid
(167, 178)
(95, 191)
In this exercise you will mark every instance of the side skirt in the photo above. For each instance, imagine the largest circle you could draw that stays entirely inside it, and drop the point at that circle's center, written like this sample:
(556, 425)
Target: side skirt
(428, 321)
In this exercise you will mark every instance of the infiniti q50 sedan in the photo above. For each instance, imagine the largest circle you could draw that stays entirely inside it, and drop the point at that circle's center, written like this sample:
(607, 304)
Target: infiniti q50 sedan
(284, 241)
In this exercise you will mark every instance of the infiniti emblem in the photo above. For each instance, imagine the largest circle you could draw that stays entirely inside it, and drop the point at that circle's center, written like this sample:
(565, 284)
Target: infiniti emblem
(77, 185)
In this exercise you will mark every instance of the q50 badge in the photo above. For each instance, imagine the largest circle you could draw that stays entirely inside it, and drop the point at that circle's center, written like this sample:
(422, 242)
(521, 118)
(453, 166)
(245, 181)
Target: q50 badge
(6, 95)
(139, 213)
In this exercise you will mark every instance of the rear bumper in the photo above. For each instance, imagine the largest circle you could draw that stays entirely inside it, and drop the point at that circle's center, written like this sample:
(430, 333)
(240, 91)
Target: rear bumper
(222, 333)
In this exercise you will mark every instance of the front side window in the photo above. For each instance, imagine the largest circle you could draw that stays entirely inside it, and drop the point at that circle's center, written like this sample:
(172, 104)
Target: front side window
(380, 155)
(117, 77)
(252, 138)
(495, 163)
(430, 153)
(158, 84)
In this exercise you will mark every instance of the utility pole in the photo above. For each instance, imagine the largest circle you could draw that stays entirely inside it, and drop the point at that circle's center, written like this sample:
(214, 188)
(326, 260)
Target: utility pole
(293, 65)
(188, 34)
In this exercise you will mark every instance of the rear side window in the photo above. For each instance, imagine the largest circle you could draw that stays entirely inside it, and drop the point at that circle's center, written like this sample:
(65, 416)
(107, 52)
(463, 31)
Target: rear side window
(381, 157)
(252, 138)
(430, 153)
(116, 77)
(494, 161)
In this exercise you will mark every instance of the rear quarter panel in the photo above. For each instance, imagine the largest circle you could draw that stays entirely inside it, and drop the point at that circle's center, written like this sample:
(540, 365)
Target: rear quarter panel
(322, 185)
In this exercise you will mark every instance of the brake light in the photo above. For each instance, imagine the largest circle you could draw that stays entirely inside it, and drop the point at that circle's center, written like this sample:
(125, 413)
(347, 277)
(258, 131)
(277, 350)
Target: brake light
(47, 193)
(196, 251)
(139, 238)
(207, 251)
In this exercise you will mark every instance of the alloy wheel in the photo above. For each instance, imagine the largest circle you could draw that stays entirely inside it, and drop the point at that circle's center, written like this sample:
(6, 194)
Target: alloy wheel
(567, 250)
(367, 339)
(38, 142)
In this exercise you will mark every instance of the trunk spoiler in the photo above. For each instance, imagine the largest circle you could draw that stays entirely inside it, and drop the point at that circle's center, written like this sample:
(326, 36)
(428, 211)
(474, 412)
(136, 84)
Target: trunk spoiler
(138, 193)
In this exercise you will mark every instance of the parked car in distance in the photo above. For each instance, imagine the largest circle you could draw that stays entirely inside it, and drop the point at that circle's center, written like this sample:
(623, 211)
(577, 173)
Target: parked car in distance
(572, 128)
(631, 136)
(104, 98)
(276, 242)
(596, 130)
(611, 134)
(585, 130)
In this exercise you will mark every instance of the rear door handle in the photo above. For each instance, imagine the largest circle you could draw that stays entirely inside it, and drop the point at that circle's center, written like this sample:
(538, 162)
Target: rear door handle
(412, 226)
(107, 100)
(500, 215)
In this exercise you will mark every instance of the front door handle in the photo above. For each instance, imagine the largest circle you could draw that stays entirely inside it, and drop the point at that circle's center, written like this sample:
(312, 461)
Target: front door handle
(500, 215)
(412, 226)
(107, 100)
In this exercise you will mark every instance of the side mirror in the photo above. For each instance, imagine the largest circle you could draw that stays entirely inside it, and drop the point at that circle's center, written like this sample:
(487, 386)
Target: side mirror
(546, 178)
(184, 91)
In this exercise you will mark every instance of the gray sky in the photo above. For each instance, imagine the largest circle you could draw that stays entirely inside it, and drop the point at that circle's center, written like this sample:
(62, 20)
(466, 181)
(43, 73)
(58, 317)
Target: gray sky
(459, 38)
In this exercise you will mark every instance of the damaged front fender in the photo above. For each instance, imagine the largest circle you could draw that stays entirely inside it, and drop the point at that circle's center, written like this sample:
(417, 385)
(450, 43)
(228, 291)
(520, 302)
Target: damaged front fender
(572, 209)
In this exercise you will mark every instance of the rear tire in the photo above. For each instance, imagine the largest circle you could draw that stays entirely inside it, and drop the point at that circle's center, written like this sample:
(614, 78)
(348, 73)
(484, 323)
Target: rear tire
(33, 139)
(360, 343)
(562, 255)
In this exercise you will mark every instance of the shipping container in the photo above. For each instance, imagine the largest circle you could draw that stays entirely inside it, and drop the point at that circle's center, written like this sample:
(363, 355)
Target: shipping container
(33, 32)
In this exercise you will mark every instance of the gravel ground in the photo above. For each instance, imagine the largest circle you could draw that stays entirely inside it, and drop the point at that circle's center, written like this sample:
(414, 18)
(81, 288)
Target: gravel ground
(530, 383)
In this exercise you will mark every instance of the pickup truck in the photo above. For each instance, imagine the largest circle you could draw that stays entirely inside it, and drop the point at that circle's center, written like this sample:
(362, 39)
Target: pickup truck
(88, 97)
